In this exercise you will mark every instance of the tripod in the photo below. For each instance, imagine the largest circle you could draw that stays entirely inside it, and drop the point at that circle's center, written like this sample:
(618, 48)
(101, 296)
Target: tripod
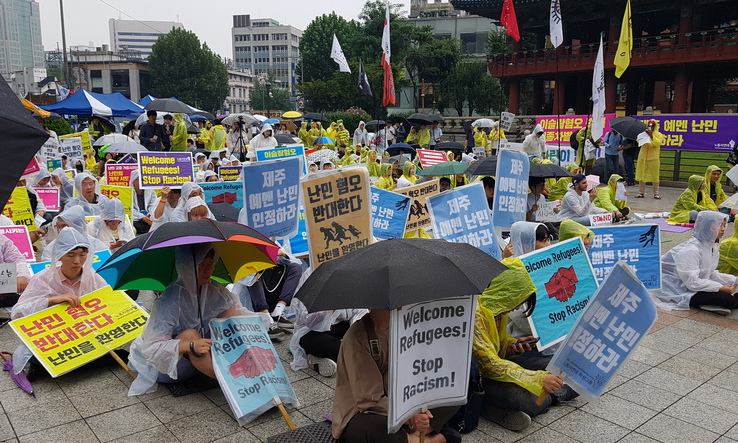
(240, 142)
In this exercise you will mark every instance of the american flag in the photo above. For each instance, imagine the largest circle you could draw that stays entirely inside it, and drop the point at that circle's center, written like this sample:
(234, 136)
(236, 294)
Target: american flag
(429, 157)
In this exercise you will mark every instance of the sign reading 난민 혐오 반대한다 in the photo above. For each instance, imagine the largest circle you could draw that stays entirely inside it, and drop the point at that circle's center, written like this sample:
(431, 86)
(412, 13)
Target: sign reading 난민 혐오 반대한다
(160, 169)
(419, 217)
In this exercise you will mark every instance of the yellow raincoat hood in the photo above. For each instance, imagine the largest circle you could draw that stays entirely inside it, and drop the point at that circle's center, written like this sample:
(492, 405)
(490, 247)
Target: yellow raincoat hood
(570, 229)
(728, 263)
(687, 201)
(509, 289)
(719, 193)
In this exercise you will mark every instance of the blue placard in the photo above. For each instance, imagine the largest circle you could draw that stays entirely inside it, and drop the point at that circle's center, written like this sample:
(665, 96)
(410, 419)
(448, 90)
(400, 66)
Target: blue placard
(462, 216)
(247, 367)
(272, 193)
(564, 283)
(52, 164)
(639, 246)
(511, 188)
(299, 241)
(389, 213)
(283, 152)
(223, 192)
(615, 321)
(97, 260)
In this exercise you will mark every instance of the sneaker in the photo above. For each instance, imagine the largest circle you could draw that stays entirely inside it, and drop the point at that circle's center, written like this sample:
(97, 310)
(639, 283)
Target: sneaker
(278, 310)
(512, 420)
(716, 309)
(277, 334)
(325, 366)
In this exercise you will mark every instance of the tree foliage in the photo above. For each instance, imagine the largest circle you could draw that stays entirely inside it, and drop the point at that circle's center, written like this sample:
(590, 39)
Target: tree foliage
(267, 97)
(470, 86)
(183, 67)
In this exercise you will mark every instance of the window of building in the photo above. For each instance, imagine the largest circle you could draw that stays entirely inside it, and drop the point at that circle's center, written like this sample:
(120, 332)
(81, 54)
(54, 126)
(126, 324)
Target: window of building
(279, 47)
(282, 36)
(261, 37)
(120, 81)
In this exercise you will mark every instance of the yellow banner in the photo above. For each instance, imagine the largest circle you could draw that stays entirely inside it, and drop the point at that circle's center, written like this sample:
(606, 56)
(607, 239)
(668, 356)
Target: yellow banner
(64, 338)
(18, 209)
(122, 193)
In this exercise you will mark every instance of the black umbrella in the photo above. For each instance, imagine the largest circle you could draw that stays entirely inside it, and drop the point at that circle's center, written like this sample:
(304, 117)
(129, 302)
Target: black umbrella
(285, 139)
(420, 119)
(314, 116)
(394, 149)
(397, 272)
(22, 138)
(542, 170)
(435, 118)
(169, 105)
(456, 147)
(485, 166)
(224, 212)
(193, 129)
(628, 127)
(376, 123)
(395, 119)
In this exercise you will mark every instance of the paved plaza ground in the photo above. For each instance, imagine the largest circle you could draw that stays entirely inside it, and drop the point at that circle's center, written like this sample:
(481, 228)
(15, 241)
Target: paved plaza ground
(681, 385)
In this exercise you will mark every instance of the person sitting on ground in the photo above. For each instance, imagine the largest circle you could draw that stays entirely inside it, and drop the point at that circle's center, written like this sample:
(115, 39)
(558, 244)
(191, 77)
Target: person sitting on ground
(408, 177)
(360, 404)
(728, 262)
(327, 165)
(577, 203)
(87, 196)
(536, 199)
(167, 207)
(558, 188)
(144, 204)
(372, 165)
(526, 237)
(65, 184)
(690, 275)
(516, 384)
(693, 200)
(489, 190)
(73, 217)
(112, 227)
(175, 345)
(444, 184)
(715, 189)
(570, 229)
(386, 181)
(210, 176)
(189, 191)
(196, 209)
(9, 253)
(607, 198)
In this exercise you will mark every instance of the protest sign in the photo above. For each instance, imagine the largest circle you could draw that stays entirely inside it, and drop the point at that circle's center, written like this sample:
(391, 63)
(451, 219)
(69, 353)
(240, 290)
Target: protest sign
(298, 246)
(248, 369)
(18, 208)
(53, 164)
(119, 174)
(462, 215)
(63, 338)
(21, 239)
(160, 169)
(72, 148)
(695, 132)
(419, 217)
(337, 213)
(223, 192)
(559, 128)
(128, 158)
(8, 275)
(122, 193)
(97, 260)
(229, 173)
(546, 212)
(638, 246)
(610, 328)
(564, 283)
(389, 213)
(430, 157)
(283, 152)
(430, 356)
(31, 168)
(506, 120)
(50, 149)
(50, 197)
(70, 173)
(600, 219)
(272, 194)
(510, 202)
(479, 151)
(84, 138)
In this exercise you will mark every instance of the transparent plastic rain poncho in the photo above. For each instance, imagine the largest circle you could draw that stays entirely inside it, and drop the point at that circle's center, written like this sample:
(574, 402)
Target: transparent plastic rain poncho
(67, 185)
(89, 208)
(73, 217)
(183, 305)
(491, 340)
(112, 210)
(180, 213)
(728, 263)
(523, 237)
(150, 200)
(170, 213)
(691, 267)
(41, 175)
(49, 282)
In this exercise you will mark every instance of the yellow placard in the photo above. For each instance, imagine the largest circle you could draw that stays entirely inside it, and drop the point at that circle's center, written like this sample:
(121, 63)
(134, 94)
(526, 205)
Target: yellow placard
(18, 208)
(122, 193)
(64, 338)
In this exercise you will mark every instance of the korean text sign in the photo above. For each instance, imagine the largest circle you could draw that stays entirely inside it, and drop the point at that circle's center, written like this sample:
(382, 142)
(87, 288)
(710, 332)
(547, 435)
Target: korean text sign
(8, 283)
(18, 234)
(694, 132)
(389, 213)
(462, 215)
(638, 246)
(160, 169)
(223, 192)
(229, 173)
(614, 323)
(511, 188)
(97, 260)
(122, 193)
(50, 197)
(419, 217)
(337, 213)
(119, 174)
(18, 208)
(32, 168)
(561, 127)
(272, 194)
(564, 284)
(430, 356)
(63, 338)
(50, 149)
(299, 241)
(247, 367)
(283, 152)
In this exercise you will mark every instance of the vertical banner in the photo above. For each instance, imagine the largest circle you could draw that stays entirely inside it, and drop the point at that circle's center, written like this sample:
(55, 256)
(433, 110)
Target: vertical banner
(223, 192)
(50, 197)
(462, 215)
(247, 367)
(389, 213)
(18, 208)
(419, 217)
(283, 152)
(272, 190)
(337, 213)
(160, 169)
(613, 325)
(430, 356)
(564, 283)
(21, 239)
(122, 193)
(431, 157)
(511, 188)
(638, 246)
(119, 174)
(230, 173)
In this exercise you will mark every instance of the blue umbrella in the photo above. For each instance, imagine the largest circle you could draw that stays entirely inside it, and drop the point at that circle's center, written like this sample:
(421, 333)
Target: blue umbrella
(323, 141)
(271, 121)
(198, 118)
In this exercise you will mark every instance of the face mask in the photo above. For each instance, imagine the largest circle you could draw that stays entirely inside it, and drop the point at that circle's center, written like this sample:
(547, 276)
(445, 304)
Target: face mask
(620, 193)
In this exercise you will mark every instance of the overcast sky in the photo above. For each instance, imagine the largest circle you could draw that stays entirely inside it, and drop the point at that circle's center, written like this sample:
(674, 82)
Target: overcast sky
(87, 20)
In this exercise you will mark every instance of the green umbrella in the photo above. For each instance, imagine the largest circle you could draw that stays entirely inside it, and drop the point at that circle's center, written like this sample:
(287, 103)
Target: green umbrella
(445, 168)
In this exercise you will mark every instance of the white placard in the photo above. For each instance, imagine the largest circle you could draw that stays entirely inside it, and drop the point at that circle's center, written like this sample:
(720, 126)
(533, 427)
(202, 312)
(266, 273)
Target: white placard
(506, 120)
(8, 284)
(546, 213)
(600, 219)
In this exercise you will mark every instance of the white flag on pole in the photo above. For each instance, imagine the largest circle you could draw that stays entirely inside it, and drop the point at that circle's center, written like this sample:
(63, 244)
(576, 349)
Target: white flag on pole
(338, 57)
(598, 96)
(555, 24)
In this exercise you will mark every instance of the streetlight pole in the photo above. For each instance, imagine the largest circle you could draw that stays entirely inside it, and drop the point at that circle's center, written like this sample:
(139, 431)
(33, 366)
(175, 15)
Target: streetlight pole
(65, 71)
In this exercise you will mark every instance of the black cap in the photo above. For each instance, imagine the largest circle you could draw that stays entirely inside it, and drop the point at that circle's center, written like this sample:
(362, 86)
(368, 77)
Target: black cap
(577, 178)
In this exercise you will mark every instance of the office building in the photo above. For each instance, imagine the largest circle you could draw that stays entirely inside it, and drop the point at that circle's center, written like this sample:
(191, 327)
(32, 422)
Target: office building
(137, 35)
(470, 30)
(20, 37)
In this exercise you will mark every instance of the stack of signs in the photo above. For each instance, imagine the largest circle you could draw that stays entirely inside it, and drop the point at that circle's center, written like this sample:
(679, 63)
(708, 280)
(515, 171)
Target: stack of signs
(638, 246)
(564, 282)
(160, 169)
(427, 373)
(616, 320)
(430, 157)
(248, 368)
(230, 193)
(119, 174)
(18, 208)
(50, 197)
(21, 239)
(462, 215)
(283, 152)
(122, 193)
(97, 260)
(64, 338)
(229, 173)
(72, 148)
(272, 193)
(389, 213)
(510, 202)
(337, 213)
(419, 217)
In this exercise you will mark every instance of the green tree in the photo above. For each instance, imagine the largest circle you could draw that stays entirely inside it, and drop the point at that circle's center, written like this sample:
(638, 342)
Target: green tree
(487, 96)
(268, 97)
(430, 59)
(183, 67)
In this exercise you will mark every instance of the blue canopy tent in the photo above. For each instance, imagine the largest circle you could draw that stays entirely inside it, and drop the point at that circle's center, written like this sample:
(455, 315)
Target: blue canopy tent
(146, 100)
(85, 103)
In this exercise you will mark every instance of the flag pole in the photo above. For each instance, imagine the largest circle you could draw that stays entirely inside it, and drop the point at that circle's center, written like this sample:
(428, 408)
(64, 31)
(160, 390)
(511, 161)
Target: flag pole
(558, 102)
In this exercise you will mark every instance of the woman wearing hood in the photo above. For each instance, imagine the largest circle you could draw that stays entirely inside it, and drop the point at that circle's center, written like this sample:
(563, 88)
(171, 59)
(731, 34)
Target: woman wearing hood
(65, 184)
(144, 204)
(196, 209)
(493, 138)
(175, 344)
(714, 188)
(112, 227)
(73, 217)
(343, 138)
(361, 135)
(570, 229)
(167, 208)
(693, 200)
(408, 177)
(526, 237)
(690, 276)
(314, 132)
(535, 143)
(85, 184)
(217, 137)
(386, 181)
(371, 164)
(179, 135)
(264, 140)
(332, 131)
(304, 135)
(648, 166)
(189, 191)
(607, 197)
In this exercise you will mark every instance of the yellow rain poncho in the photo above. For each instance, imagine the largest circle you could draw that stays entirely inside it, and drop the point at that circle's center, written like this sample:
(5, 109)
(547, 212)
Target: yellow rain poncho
(480, 137)
(728, 263)
(406, 172)
(346, 160)
(491, 339)
(217, 138)
(688, 201)
(304, 135)
(557, 190)
(581, 140)
(204, 135)
(570, 229)
(424, 137)
(371, 164)
(179, 136)
(412, 136)
(332, 130)
(385, 181)
(606, 195)
(649, 158)
(315, 132)
(343, 138)
(719, 193)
